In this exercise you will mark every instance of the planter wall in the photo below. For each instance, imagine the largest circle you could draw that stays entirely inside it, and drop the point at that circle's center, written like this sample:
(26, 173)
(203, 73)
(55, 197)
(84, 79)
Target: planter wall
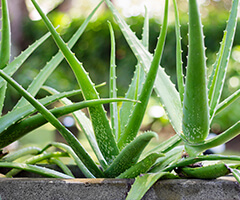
(116, 189)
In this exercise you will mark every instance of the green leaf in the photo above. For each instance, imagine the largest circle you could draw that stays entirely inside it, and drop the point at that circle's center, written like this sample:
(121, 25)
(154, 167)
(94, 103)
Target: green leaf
(136, 118)
(6, 36)
(2, 96)
(220, 72)
(22, 152)
(113, 85)
(35, 169)
(223, 138)
(178, 52)
(224, 104)
(206, 172)
(142, 184)
(105, 138)
(136, 84)
(141, 167)
(195, 105)
(163, 85)
(129, 155)
(236, 174)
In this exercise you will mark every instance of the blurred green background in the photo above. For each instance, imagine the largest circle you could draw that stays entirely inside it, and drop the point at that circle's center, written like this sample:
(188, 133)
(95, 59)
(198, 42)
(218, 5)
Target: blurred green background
(93, 50)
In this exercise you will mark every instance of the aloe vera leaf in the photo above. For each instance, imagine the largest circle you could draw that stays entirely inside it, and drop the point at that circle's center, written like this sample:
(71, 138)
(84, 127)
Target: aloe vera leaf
(35, 159)
(12, 67)
(35, 169)
(170, 157)
(18, 114)
(225, 103)
(236, 174)
(22, 152)
(220, 73)
(2, 96)
(5, 49)
(86, 126)
(206, 172)
(191, 160)
(224, 137)
(129, 155)
(216, 66)
(105, 138)
(62, 166)
(164, 88)
(19, 129)
(136, 83)
(55, 61)
(136, 118)
(141, 167)
(113, 85)
(178, 52)
(76, 158)
(195, 105)
(68, 136)
(167, 145)
(138, 189)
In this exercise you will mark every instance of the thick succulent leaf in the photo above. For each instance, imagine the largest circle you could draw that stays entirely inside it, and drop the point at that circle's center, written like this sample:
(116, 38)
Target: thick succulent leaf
(220, 73)
(86, 127)
(225, 103)
(195, 105)
(178, 52)
(137, 82)
(2, 96)
(236, 174)
(5, 37)
(223, 138)
(62, 166)
(35, 169)
(20, 153)
(55, 61)
(205, 172)
(163, 85)
(136, 118)
(192, 160)
(68, 136)
(5, 48)
(138, 189)
(141, 167)
(168, 160)
(113, 85)
(129, 155)
(167, 145)
(105, 138)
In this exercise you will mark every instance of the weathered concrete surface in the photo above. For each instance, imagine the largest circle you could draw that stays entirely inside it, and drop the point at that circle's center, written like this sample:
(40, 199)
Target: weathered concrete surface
(112, 189)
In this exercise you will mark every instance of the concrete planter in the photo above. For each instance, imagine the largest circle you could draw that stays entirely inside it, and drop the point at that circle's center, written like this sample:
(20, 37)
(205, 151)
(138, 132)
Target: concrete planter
(225, 188)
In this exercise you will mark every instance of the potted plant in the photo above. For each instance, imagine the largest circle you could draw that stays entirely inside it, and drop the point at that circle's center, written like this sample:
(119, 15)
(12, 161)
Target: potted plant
(118, 146)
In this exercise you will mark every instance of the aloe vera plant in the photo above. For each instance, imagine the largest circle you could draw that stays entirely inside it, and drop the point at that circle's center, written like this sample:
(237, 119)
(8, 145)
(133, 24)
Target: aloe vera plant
(116, 142)
(110, 143)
